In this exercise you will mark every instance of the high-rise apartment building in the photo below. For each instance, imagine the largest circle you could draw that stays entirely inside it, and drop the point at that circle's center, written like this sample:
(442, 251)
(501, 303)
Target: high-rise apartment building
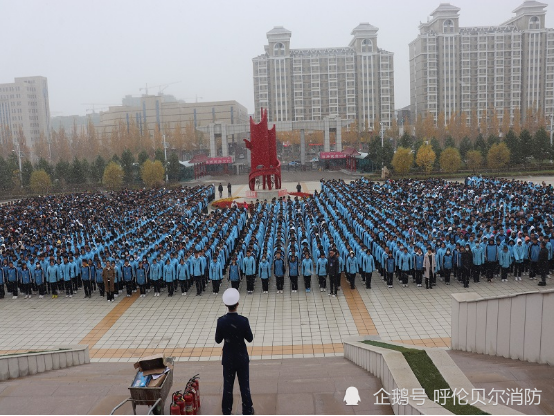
(505, 67)
(24, 107)
(352, 82)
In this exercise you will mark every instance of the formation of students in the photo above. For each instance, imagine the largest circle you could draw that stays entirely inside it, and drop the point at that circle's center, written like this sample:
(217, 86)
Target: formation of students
(433, 230)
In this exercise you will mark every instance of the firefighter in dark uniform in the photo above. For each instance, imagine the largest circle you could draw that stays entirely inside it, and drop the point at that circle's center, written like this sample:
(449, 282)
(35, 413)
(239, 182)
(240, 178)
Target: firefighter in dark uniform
(234, 329)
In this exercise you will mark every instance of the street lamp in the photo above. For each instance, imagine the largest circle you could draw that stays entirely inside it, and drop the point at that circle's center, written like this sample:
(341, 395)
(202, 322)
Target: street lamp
(19, 160)
(551, 121)
(165, 158)
(382, 145)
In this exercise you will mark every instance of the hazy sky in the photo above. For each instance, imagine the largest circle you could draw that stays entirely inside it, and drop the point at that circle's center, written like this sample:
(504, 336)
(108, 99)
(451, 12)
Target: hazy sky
(98, 51)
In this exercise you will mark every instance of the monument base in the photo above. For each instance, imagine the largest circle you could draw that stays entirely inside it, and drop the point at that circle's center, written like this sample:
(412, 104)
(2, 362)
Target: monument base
(268, 195)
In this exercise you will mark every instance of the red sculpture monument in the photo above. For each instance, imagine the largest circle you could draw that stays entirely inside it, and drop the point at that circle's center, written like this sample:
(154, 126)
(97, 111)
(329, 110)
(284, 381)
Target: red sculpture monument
(263, 155)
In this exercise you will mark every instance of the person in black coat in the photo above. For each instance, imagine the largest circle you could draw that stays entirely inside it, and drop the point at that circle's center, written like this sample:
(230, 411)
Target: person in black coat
(234, 329)
(543, 263)
(467, 263)
(334, 272)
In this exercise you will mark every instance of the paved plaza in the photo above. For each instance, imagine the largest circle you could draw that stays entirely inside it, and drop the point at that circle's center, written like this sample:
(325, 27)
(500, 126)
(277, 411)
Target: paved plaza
(295, 386)
(289, 325)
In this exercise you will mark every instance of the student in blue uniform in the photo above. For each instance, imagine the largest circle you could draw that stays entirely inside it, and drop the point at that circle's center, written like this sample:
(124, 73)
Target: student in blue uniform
(279, 270)
(447, 264)
(142, 279)
(182, 276)
(321, 271)
(215, 274)
(249, 270)
(39, 278)
(197, 269)
(307, 270)
(98, 270)
(265, 273)
(25, 278)
(293, 273)
(155, 276)
(504, 260)
(418, 266)
(128, 277)
(351, 270)
(234, 273)
(168, 276)
(52, 277)
(87, 277)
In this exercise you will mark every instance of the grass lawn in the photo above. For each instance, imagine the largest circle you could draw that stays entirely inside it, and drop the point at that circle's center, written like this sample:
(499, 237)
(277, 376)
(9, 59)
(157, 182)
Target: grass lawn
(429, 377)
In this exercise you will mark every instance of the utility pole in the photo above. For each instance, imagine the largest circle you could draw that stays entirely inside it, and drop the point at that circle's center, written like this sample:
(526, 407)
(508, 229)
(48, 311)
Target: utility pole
(165, 158)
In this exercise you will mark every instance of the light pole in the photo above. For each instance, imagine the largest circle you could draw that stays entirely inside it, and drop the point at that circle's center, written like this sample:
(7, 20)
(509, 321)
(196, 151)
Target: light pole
(19, 160)
(382, 145)
(165, 158)
(551, 121)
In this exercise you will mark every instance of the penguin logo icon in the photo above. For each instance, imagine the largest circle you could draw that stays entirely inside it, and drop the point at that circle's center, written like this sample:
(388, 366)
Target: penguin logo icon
(352, 397)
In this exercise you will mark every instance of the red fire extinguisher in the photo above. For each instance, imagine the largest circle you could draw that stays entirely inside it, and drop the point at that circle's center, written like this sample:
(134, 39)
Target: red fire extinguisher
(174, 409)
(189, 404)
(196, 387)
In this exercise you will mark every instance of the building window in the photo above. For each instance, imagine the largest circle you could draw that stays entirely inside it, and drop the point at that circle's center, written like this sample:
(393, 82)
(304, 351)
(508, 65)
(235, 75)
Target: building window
(279, 49)
(448, 26)
(534, 23)
(367, 45)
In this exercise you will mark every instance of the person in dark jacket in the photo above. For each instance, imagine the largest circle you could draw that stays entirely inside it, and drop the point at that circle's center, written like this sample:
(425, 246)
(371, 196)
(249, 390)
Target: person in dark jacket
(229, 189)
(234, 329)
(334, 273)
(467, 264)
(220, 189)
(543, 263)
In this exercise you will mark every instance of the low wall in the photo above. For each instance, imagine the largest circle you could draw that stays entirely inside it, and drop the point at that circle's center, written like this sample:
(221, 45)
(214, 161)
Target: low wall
(395, 373)
(21, 365)
(518, 326)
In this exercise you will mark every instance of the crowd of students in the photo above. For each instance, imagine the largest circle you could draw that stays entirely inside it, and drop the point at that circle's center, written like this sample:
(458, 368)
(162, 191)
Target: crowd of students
(430, 231)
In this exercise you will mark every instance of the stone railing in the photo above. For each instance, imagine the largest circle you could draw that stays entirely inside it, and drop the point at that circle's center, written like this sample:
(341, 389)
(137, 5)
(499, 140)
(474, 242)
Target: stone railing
(26, 364)
(517, 326)
(395, 373)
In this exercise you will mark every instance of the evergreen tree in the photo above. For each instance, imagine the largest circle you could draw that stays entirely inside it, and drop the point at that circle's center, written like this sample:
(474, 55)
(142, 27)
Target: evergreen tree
(406, 141)
(127, 160)
(480, 145)
(45, 166)
(77, 175)
(6, 183)
(159, 155)
(174, 167)
(465, 146)
(541, 145)
(525, 145)
(142, 157)
(97, 169)
(26, 172)
(62, 171)
(449, 142)
(512, 141)
(492, 139)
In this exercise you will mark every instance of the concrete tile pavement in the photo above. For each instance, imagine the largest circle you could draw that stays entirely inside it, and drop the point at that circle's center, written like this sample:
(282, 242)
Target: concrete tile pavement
(294, 386)
(504, 374)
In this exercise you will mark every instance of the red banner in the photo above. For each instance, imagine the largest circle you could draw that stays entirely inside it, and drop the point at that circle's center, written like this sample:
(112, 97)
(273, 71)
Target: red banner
(219, 160)
(332, 155)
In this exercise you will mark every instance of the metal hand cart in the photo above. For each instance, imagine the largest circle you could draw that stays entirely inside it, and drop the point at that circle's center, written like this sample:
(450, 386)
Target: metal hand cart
(149, 396)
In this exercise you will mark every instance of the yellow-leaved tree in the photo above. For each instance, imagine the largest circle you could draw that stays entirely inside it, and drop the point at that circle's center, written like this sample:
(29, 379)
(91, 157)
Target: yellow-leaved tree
(425, 157)
(40, 181)
(474, 160)
(402, 160)
(498, 156)
(152, 173)
(450, 160)
(113, 176)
